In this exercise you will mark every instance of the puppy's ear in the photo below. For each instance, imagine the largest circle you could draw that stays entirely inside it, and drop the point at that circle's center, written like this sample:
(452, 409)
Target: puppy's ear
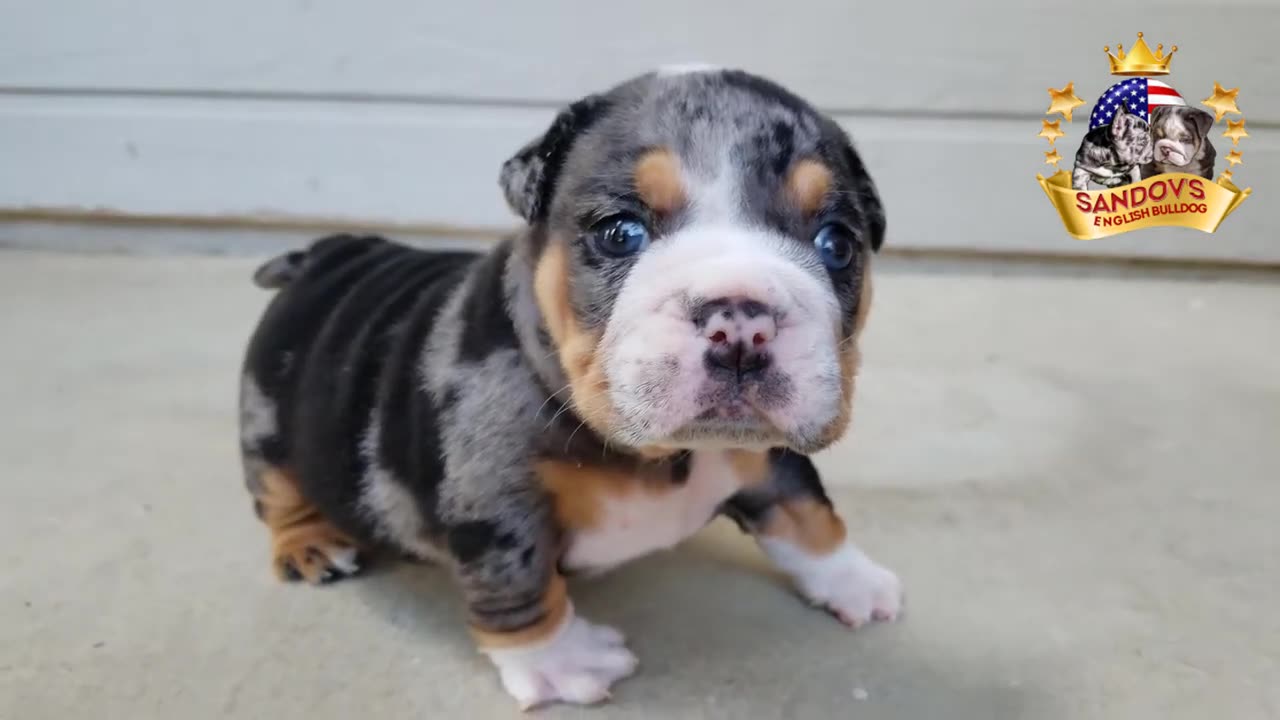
(1121, 121)
(528, 179)
(869, 206)
(1201, 120)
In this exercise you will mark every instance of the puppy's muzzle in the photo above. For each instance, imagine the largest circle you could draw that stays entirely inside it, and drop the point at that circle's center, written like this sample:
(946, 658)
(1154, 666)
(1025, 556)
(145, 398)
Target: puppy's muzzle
(1172, 152)
(738, 333)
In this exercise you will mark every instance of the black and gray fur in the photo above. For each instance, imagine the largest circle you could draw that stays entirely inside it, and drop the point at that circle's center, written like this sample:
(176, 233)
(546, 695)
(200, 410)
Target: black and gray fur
(410, 392)
(1112, 155)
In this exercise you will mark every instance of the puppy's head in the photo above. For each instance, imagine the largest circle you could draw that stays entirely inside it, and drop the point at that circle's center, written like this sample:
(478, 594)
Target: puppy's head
(1179, 133)
(701, 243)
(1131, 137)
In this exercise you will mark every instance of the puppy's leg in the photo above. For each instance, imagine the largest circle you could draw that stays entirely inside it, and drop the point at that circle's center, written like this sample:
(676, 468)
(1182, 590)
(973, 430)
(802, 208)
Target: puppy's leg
(304, 545)
(519, 611)
(795, 524)
(1079, 179)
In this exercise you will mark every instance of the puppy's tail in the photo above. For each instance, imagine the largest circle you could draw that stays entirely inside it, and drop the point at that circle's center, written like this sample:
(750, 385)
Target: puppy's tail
(281, 270)
(330, 251)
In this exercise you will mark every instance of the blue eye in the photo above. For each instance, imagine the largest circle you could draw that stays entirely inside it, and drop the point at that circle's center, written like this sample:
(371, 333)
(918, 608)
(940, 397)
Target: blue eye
(620, 236)
(836, 245)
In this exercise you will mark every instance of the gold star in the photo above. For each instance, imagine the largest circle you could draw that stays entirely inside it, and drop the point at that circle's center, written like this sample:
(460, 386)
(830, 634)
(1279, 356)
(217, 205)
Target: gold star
(1062, 101)
(1235, 131)
(1226, 176)
(1052, 157)
(1222, 101)
(1234, 157)
(1051, 130)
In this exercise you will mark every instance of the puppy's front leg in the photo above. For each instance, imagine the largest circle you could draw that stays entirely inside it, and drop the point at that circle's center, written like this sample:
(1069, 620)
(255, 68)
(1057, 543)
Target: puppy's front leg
(795, 524)
(519, 611)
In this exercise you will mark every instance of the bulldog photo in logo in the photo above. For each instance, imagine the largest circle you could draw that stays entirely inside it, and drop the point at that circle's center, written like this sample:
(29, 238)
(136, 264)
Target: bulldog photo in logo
(1146, 159)
(1180, 142)
(1139, 128)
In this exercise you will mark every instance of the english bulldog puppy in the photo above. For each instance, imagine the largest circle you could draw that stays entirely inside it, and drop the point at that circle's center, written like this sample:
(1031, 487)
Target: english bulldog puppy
(1181, 142)
(668, 339)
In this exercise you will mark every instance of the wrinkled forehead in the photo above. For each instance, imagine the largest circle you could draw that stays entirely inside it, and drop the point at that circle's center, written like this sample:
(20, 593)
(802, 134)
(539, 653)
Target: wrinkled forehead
(731, 130)
(1173, 119)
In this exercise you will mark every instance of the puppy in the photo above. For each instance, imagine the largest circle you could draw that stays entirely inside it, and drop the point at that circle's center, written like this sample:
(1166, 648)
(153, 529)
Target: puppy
(1181, 136)
(1112, 155)
(669, 338)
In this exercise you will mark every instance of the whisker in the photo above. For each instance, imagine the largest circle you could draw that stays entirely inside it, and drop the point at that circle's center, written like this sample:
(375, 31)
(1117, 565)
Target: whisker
(575, 432)
(549, 399)
(569, 405)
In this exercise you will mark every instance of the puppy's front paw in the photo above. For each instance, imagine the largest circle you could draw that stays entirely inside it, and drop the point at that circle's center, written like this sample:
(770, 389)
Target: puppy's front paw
(861, 591)
(578, 665)
(847, 583)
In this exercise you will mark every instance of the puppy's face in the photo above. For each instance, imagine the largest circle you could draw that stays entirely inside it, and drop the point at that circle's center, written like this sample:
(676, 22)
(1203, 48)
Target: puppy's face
(701, 244)
(1131, 137)
(1179, 133)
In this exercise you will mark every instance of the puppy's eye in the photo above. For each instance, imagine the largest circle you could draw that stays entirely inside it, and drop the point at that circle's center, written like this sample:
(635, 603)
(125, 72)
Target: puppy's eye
(836, 245)
(620, 236)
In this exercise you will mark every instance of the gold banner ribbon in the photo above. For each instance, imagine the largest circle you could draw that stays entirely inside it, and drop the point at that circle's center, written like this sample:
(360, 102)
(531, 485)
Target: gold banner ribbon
(1176, 199)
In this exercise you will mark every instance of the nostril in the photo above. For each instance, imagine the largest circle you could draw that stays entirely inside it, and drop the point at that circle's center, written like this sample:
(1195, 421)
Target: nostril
(719, 336)
(759, 339)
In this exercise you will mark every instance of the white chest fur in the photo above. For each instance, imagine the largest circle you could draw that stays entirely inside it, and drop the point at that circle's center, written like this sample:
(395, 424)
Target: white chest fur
(641, 521)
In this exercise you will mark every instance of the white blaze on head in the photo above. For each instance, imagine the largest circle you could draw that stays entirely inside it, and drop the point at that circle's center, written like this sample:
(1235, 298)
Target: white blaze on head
(686, 69)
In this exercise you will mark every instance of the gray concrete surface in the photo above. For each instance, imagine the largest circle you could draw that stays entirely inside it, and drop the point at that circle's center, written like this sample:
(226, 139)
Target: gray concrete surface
(1078, 479)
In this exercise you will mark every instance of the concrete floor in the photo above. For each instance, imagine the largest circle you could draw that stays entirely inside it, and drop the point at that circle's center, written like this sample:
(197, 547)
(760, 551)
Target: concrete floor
(1077, 478)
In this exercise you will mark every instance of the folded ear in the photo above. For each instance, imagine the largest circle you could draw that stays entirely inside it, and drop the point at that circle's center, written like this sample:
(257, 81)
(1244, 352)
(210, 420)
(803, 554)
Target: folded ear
(1121, 120)
(528, 179)
(869, 206)
(1202, 120)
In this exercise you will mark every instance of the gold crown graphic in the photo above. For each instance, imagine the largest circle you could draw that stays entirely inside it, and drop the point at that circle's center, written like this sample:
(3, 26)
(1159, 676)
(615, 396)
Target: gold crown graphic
(1140, 60)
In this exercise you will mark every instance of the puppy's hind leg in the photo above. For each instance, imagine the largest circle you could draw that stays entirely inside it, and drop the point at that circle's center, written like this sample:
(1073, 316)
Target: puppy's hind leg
(304, 545)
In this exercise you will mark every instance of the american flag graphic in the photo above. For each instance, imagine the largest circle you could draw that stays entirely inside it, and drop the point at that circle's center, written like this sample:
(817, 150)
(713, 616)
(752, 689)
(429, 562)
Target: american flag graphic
(1139, 95)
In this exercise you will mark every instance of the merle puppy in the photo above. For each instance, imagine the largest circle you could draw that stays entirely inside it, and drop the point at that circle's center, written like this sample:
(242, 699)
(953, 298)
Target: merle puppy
(1113, 155)
(668, 339)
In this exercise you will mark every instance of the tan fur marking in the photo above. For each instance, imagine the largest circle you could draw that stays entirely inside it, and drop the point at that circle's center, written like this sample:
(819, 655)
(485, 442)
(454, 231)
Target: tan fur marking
(588, 386)
(657, 179)
(555, 606)
(751, 467)
(579, 490)
(300, 535)
(850, 361)
(807, 185)
(806, 523)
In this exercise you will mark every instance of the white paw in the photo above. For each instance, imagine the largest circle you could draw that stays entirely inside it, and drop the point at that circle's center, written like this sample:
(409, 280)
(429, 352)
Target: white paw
(577, 665)
(847, 583)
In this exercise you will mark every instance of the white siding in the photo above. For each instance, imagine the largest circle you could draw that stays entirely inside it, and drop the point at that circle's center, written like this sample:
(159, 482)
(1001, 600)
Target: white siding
(400, 111)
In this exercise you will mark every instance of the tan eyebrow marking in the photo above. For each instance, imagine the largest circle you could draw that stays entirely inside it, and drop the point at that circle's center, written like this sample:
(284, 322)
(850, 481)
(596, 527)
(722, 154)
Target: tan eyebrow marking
(657, 179)
(807, 185)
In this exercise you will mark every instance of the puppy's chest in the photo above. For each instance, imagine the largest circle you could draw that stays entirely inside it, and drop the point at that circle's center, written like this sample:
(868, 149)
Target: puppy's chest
(612, 517)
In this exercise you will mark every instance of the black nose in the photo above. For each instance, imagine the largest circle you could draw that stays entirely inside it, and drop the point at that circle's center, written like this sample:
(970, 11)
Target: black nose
(739, 333)
(738, 358)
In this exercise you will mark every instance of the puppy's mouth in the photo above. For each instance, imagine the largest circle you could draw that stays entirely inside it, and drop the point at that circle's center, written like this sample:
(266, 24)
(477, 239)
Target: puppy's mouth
(732, 416)
(1171, 153)
(734, 425)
